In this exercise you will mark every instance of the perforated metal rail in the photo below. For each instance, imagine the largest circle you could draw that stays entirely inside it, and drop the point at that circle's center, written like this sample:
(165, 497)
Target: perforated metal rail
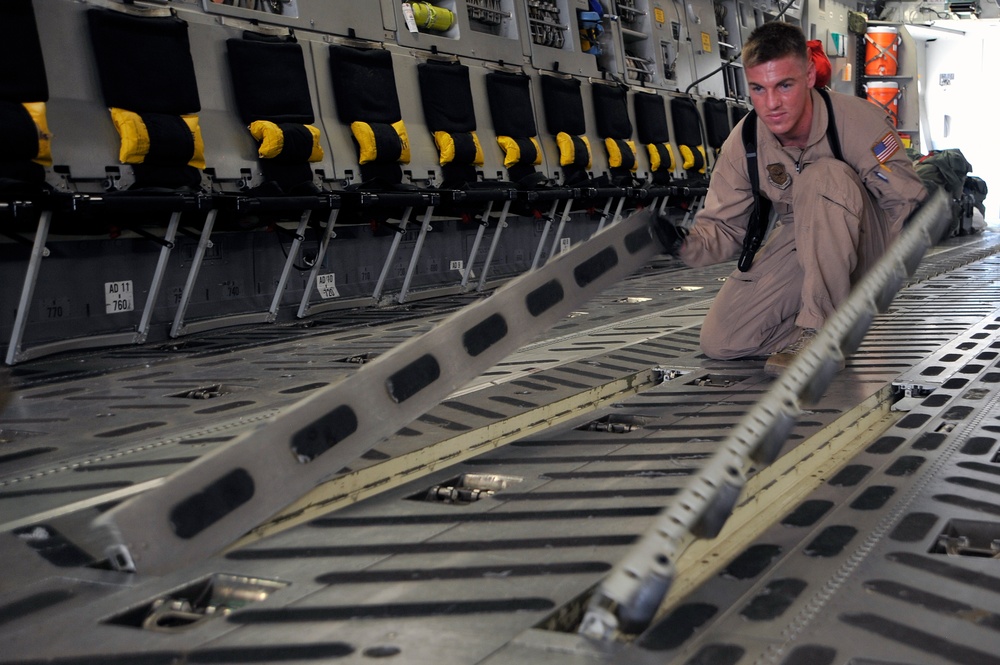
(223, 495)
(629, 597)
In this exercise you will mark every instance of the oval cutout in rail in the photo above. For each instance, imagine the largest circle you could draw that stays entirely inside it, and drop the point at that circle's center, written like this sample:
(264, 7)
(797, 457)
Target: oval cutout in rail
(333, 427)
(413, 378)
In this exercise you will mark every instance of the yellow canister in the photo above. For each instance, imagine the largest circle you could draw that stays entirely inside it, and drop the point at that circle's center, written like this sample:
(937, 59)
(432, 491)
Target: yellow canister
(429, 17)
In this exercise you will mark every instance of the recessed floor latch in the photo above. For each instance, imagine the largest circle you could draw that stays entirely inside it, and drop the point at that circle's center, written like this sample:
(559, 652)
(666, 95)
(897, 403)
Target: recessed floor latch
(615, 423)
(217, 595)
(907, 395)
(467, 488)
(969, 538)
(204, 392)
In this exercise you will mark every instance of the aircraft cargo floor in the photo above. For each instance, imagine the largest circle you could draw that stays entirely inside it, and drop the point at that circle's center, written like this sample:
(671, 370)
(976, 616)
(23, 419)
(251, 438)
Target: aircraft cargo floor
(477, 532)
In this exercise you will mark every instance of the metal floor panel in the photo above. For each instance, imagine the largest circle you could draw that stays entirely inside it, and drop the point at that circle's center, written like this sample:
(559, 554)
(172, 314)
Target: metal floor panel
(64, 437)
(401, 578)
(893, 560)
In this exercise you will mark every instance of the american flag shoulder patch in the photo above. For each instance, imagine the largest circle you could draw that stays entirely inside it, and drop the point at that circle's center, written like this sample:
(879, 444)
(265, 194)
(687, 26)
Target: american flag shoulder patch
(886, 147)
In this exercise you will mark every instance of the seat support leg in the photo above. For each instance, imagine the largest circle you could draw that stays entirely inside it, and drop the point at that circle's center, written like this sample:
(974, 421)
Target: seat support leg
(545, 232)
(166, 246)
(691, 212)
(618, 211)
(204, 242)
(293, 251)
(411, 270)
(324, 243)
(663, 205)
(484, 221)
(38, 251)
(560, 228)
(604, 216)
(392, 254)
(501, 225)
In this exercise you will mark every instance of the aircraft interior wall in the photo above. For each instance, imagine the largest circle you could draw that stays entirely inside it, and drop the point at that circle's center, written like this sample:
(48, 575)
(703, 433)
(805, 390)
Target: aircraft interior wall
(958, 75)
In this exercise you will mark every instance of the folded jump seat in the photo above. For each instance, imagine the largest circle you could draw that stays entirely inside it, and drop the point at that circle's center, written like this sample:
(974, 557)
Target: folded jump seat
(693, 156)
(717, 125)
(153, 98)
(654, 133)
(513, 116)
(692, 188)
(736, 114)
(148, 82)
(364, 86)
(25, 146)
(25, 149)
(614, 127)
(565, 120)
(449, 112)
(271, 88)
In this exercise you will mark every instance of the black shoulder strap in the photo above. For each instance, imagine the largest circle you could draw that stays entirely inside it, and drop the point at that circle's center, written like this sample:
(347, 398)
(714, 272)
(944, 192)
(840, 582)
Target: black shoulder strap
(761, 211)
(757, 224)
(831, 126)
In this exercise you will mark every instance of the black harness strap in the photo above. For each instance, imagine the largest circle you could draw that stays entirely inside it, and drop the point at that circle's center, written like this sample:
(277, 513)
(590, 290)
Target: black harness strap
(757, 223)
(831, 126)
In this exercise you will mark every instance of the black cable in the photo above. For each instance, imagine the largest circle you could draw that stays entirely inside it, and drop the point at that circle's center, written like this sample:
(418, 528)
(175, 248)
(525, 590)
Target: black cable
(701, 122)
(284, 252)
(735, 57)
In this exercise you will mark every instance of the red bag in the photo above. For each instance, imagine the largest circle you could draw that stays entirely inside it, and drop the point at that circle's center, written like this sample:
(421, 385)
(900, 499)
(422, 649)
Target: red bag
(824, 70)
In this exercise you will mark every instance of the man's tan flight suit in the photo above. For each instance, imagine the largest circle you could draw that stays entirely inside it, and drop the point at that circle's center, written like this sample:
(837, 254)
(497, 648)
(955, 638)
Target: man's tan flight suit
(834, 220)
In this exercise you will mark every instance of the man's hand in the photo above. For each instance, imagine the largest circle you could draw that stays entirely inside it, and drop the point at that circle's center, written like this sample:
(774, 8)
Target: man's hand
(670, 236)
